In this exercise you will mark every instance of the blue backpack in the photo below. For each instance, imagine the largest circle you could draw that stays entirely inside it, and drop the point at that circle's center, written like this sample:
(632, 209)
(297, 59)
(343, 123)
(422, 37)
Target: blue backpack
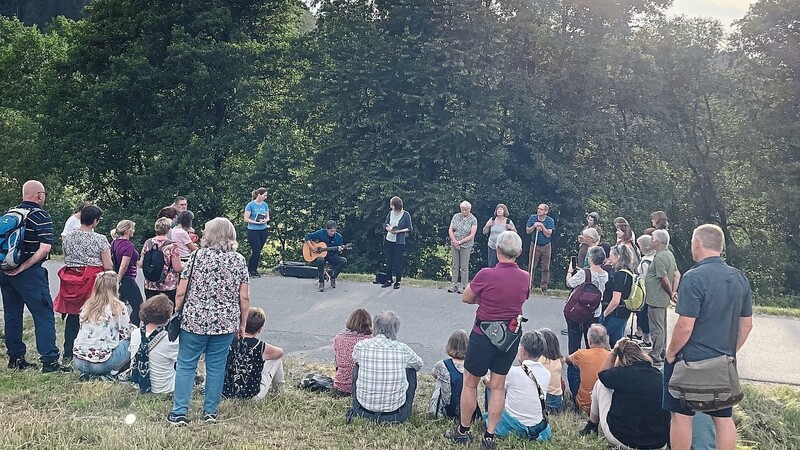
(12, 234)
(453, 409)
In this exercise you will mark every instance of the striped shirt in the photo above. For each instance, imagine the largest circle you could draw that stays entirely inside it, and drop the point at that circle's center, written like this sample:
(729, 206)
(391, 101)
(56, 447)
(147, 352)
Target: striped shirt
(381, 385)
(38, 230)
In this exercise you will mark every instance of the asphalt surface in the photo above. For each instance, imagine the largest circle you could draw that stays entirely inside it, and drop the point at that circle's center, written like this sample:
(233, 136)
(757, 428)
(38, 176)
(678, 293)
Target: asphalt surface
(303, 322)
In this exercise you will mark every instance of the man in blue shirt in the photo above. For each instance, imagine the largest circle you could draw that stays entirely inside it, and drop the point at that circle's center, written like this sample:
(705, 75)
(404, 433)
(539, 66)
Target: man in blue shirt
(335, 244)
(540, 249)
(27, 285)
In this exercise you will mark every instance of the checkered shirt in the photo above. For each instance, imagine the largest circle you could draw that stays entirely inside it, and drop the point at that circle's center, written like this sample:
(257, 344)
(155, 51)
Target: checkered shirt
(381, 385)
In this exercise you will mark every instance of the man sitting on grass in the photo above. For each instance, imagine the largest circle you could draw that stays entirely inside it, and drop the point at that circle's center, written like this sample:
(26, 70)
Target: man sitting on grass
(385, 374)
(589, 362)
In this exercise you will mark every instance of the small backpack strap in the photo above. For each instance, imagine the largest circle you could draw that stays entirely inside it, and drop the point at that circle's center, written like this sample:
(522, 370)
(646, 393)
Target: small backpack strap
(588, 274)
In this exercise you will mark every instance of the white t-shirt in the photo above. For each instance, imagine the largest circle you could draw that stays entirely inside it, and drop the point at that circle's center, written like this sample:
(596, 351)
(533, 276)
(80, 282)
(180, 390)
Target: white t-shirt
(522, 396)
(394, 220)
(162, 362)
(73, 223)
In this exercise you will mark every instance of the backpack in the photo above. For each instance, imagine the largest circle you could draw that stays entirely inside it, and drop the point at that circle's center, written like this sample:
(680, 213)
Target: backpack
(140, 364)
(453, 409)
(243, 370)
(12, 235)
(583, 301)
(154, 261)
(635, 301)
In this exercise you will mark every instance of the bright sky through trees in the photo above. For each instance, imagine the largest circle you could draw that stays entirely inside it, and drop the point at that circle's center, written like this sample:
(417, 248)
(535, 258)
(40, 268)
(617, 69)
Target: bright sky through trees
(724, 10)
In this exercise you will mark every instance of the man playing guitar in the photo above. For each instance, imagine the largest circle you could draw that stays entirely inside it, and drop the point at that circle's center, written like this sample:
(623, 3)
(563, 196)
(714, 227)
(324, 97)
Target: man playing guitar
(335, 245)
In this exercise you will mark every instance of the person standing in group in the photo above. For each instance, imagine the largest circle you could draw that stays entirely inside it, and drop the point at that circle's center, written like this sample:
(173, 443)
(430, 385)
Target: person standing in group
(618, 289)
(180, 204)
(27, 285)
(659, 220)
(180, 235)
(86, 254)
(256, 215)
(714, 318)
(167, 283)
(334, 246)
(592, 221)
(660, 288)
(214, 299)
(397, 226)
(74, 220)
(645, 243)
(124, 258)
(494, 226)
(463, 227)
(541, 245)
(499, 293)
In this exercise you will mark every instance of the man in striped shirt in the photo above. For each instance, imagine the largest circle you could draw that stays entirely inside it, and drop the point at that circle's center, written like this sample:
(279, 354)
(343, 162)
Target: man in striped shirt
(27, 285)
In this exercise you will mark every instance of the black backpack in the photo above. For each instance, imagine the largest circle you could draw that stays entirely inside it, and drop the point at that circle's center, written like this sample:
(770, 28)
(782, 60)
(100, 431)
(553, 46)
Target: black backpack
(583, 301)
(153, 261)
(243, 370)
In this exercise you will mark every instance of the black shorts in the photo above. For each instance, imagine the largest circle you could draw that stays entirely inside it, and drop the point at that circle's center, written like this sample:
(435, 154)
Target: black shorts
(483, 356)
(672, 404)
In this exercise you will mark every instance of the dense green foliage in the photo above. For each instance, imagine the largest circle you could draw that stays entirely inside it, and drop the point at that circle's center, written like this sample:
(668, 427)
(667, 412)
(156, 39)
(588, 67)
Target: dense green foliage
(604, 105)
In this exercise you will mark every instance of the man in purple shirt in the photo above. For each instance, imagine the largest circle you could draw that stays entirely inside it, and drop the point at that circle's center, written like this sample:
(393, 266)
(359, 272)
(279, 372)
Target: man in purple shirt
(499, 293)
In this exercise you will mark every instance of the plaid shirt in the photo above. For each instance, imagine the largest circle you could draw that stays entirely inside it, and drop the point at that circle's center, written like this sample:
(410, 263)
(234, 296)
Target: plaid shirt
(381, 385)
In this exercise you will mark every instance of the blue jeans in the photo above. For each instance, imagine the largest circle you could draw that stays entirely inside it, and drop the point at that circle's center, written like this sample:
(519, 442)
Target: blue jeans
(30, 288)
(119, 356)
(190, 347)
(616, 329)
(554, 403)
(508, 424)
(492, 257)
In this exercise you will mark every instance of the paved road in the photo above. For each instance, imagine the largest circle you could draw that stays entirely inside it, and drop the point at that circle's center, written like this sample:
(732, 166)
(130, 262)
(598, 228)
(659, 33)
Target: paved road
(303, 322)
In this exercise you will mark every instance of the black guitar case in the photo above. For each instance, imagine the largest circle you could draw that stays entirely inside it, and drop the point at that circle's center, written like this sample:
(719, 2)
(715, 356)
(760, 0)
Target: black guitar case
(296, 270)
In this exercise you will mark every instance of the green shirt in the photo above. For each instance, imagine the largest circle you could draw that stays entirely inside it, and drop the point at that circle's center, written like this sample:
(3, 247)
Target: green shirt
(663, 266)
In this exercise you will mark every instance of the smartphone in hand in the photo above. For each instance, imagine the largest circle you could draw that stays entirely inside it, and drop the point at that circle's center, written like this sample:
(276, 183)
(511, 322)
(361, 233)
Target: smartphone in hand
(573, 260)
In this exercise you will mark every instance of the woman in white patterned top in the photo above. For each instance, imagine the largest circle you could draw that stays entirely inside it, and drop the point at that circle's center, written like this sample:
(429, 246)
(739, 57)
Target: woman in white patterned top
(463, 227)
(103, 342)
(214, 297)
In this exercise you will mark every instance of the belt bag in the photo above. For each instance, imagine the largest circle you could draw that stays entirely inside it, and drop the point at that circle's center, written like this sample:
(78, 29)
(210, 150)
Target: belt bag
(499, 334)
(707, 385)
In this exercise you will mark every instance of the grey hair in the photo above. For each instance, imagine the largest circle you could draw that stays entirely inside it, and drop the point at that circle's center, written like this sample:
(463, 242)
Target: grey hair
(509, 244)
(220, 234)
(386, 323)
(592, 234)
(662, 236)
(645, 244)
(597, 335)
(597, 255)
(465, 204)
(533, 343)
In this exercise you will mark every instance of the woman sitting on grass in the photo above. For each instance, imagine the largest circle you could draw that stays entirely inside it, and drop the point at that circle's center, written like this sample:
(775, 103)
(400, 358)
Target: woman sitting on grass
(553, 361)
(154, 355)
(253, 366)
(101, 347)
(359, 327)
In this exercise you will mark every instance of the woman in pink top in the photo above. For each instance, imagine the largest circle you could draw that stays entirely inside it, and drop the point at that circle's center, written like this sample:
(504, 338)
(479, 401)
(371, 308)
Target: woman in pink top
(181, 236)
(359, 327)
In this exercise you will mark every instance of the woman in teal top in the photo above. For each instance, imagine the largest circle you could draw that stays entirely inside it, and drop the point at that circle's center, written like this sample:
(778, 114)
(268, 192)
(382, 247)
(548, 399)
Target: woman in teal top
(256, 215)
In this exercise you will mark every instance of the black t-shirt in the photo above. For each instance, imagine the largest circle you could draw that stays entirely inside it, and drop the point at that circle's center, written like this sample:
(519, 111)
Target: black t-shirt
(636, 417)
(621, 282)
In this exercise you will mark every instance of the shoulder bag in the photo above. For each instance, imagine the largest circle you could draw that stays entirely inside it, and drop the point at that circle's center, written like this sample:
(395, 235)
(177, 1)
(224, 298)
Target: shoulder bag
(174, 325)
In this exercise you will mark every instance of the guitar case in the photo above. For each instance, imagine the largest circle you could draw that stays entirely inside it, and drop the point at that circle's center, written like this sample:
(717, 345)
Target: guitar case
(296, 270)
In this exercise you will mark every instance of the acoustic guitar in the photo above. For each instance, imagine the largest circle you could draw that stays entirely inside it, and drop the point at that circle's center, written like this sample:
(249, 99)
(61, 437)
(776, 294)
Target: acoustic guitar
(314, 250)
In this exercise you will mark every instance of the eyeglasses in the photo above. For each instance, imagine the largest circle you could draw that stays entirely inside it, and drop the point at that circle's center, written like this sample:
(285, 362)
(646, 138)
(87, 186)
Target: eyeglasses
(41, 192)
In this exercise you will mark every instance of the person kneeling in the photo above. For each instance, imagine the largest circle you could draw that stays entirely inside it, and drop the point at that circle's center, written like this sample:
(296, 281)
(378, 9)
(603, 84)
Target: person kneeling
(385, 374)
(101, 347)
(524, 414)
(154, 356)
(254, 366)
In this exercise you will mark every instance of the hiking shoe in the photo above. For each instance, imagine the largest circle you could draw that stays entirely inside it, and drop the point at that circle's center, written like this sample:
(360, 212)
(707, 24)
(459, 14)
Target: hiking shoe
(177, 420)
(459, 438)
(333, 283)
(322, 286)
(54, 366)
(19, 363)
(209, 418)
(588, 429)
(397, 285)
(488, 443)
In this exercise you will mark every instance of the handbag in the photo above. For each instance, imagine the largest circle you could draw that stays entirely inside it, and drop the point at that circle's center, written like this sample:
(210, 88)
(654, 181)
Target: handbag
(707, 385)
(500, 335)
(174, 325)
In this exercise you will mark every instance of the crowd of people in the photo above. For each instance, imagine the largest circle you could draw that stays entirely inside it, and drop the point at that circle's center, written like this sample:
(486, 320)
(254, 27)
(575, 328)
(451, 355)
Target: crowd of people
(201, 285)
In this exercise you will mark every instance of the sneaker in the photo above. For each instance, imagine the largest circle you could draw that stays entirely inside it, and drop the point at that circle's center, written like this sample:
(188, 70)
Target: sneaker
(178, 420)
(397, 285)
(452, 288)
(459, 438)
(387, 284)
(588, 429)
(54, 366)
(209, 418)
(322, 286)
(333, 283)
(644, 344)
(544, 291)
(255, 275)
(488, 443)
(565, 331)
(19, 363)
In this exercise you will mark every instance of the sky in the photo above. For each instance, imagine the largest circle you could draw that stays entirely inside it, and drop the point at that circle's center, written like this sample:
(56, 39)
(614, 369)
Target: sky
(725, 11)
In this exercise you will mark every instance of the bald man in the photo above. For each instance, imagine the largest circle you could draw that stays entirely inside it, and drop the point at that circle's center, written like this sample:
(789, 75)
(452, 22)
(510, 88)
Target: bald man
(27, 285)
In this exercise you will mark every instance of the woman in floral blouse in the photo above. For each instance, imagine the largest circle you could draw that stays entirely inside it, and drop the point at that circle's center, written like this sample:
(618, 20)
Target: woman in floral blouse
(359, 327)
(214, 297)
(103, 342)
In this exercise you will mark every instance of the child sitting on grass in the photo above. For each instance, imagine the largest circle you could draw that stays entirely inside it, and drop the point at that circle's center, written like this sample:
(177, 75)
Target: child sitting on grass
(449, 376)
(553, 361)
(253, 365)
(101, 348)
